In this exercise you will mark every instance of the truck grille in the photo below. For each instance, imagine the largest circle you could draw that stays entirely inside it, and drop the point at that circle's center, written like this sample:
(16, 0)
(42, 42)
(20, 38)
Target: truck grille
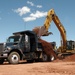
(1, 47)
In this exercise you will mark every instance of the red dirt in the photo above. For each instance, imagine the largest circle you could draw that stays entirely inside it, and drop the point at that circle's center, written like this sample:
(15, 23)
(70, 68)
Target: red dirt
(36, 30)
(69, 58)
(47, 48)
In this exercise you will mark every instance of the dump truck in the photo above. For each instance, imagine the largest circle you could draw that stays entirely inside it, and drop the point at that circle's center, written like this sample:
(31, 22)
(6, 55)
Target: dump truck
(22, 45)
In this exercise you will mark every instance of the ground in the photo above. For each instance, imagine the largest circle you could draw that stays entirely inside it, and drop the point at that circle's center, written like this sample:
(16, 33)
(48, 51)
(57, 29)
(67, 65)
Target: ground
(39, 68)
(65, 66)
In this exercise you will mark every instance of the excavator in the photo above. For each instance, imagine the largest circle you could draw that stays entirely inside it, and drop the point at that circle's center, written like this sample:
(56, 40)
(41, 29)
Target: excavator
(66, 46)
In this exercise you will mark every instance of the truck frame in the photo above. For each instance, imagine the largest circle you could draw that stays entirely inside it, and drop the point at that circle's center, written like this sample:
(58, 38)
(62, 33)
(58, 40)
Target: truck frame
(22, 45)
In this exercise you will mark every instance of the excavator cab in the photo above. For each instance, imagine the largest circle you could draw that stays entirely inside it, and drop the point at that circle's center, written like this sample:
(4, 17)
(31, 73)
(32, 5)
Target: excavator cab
(70, 45)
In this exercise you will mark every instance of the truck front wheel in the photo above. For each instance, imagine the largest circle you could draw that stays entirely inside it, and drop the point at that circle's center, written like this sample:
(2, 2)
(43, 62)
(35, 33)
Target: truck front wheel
(13, 58)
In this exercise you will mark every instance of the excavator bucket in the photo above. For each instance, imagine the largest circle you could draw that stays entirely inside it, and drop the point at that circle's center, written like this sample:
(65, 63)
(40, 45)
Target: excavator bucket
(41, 31)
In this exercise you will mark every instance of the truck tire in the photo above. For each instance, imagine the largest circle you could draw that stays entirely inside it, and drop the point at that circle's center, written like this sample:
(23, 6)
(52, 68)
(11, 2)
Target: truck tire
(52, 58)
(44, 57)
(1, 61)
(13, 58)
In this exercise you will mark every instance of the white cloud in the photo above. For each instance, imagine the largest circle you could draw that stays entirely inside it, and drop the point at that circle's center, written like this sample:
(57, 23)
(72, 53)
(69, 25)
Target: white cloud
(32, 4)
(39, 6)
(29, 19)
(38, 14)
(34, 16)
(22, 11)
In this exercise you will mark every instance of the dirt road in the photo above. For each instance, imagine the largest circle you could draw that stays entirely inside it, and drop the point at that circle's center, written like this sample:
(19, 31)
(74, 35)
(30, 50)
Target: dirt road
(38, 68)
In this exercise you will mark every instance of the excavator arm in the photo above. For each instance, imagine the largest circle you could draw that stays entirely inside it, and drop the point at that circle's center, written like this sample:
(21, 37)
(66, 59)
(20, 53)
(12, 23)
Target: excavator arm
(61, 29)
(43, 30)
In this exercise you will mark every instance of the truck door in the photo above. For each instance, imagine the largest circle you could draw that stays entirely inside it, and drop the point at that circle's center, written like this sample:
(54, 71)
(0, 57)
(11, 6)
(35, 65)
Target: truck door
(27, 43)
(33, 43)
(22, 43)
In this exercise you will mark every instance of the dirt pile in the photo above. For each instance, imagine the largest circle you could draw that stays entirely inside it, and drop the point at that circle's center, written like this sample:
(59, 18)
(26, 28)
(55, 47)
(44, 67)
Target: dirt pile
(47, 48)
(36, 30)
(67, 58)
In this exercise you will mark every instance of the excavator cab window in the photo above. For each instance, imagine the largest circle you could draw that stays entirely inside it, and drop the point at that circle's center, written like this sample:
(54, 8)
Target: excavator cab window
(70, 45)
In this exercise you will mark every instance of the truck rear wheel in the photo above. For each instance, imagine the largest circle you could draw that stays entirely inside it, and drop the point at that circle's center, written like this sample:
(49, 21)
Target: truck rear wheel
(13, 58)
(44, 57)
(52, 58)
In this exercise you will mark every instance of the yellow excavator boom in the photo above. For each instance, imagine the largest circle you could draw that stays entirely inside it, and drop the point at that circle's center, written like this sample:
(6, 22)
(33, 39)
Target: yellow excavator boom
(43, 30)
(48, 19)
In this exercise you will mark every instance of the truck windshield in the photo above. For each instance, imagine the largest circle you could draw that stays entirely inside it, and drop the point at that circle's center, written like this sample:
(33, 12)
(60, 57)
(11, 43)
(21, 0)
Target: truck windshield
(13, 39)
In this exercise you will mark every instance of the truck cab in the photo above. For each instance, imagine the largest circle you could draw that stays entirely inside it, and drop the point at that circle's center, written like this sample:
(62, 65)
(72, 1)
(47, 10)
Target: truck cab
(19, 46)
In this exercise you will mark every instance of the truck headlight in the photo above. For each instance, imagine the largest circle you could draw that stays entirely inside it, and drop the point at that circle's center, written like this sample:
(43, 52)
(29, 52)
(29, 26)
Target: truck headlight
(8, 48)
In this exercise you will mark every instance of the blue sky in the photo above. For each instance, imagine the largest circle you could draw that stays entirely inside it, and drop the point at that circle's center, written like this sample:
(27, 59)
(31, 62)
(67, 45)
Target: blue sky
(20, 15)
